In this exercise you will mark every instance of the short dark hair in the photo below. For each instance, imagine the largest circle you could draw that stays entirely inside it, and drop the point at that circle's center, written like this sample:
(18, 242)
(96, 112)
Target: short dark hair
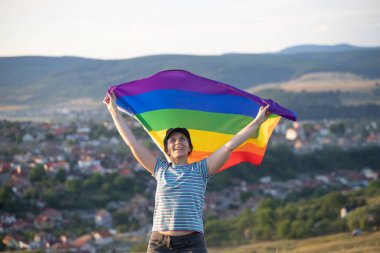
(171, 131)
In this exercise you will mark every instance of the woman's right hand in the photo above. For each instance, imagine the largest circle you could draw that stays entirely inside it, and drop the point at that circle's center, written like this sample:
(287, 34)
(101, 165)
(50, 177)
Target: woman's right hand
(139, 151)
(110, 101)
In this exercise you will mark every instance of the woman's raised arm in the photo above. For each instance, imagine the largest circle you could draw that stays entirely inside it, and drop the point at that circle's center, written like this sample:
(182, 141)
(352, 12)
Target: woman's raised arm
(217, 159)
(139, 151)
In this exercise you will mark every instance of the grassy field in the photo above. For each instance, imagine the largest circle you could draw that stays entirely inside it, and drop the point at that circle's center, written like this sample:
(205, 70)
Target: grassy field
(353, 90)
(366, 243)
(323, 82)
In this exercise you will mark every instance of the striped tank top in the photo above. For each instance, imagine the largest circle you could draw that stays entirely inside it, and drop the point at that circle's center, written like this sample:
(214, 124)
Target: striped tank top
(180, 192)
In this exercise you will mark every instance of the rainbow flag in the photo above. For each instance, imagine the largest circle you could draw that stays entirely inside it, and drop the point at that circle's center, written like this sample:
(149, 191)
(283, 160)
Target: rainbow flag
(212, 111)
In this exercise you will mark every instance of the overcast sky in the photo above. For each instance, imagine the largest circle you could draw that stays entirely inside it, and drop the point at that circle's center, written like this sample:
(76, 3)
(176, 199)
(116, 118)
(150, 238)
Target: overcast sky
(116, 29)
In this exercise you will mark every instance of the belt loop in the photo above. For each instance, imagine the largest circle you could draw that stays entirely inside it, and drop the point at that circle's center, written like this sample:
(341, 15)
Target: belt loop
(162, 237)
(168, 241)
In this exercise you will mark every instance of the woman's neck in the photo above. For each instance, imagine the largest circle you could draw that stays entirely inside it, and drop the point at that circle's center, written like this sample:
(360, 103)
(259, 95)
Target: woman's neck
(179, 160)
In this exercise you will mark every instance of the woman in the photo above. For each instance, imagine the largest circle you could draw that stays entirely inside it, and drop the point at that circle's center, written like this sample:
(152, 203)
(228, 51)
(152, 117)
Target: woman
(179, 200)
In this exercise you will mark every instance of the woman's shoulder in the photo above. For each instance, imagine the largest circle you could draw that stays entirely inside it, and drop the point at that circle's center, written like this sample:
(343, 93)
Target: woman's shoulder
(162, 162)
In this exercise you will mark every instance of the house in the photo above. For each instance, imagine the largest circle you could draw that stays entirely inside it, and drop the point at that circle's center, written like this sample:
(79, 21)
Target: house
(28, 138)
(250, 203)
(114, 141)
(83, 244)
(322, 178)
(343, 212)
(43, 239)
(368, 173)
(103, 219)
(52, 214)
(137, 208)
(102, 238)
(56, 166)
(15, 242)
(4, 228)
(60, 247)
(7, 218)
(5, 167)
(43, 222)
(88, 164)
(265, 180)
(21, 225)
(48, 219)
(18, 184)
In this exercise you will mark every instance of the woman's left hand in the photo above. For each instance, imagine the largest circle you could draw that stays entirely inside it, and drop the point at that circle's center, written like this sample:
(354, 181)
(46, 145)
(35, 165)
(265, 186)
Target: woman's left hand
(263, 114)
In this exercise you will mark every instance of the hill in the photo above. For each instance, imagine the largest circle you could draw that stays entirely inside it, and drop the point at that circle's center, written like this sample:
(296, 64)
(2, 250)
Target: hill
(32, 83)
(320, 48)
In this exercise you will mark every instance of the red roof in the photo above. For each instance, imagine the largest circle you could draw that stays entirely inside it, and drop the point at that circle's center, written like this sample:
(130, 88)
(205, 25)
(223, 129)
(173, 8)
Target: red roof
(125, 172)
(51, 213)
(81, 241)
(104, 234)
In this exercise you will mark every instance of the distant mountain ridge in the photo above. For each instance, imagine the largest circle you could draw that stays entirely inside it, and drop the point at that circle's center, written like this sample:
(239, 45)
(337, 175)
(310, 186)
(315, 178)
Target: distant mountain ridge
(322, 48)
(41, 82)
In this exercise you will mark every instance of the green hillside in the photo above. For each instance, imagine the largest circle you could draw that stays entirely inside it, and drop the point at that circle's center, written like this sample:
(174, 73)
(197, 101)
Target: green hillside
(30, 80)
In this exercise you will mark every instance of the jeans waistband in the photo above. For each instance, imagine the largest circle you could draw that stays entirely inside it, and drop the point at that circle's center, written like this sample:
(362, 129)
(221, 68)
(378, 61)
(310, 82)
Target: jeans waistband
(174, 237)
(194, 241)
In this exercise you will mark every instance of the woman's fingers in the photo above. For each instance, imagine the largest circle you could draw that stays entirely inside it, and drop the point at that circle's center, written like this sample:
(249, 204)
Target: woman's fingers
(264, 109)
(106, 99)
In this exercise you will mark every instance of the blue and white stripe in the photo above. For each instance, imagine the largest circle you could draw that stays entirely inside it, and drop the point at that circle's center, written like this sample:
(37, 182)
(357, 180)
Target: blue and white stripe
(180, 195)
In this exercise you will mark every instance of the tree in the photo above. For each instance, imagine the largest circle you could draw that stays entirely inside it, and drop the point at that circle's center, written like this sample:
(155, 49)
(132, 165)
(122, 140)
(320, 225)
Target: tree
(52, 198)
(37, 174)
(338, 129)
(106, 187)
(120, 218)
(297, 229)
(124, 184)
(74, 186)
(331, 205)
(283, 229)
(94, 182)
(220, 232)
(61, 176)
(265, 219)
(365, 218)
(124, 222)
(374, 188)
(7, 198)
(2, 245)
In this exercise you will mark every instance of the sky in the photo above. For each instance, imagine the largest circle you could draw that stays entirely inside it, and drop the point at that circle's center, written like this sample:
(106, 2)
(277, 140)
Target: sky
(121, 29)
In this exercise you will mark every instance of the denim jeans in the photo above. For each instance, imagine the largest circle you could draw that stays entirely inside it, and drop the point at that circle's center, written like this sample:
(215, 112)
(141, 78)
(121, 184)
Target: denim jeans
(191, 243)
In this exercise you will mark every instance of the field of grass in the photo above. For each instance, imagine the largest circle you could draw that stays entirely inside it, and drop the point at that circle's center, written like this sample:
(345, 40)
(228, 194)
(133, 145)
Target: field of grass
(366, 243)
(323, 82)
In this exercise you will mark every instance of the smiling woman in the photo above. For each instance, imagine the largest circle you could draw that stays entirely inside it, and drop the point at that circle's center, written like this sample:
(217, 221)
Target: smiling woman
(181, 185)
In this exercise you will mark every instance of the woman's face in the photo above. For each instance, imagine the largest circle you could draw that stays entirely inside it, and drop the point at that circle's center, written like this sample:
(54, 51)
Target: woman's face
(178, 145)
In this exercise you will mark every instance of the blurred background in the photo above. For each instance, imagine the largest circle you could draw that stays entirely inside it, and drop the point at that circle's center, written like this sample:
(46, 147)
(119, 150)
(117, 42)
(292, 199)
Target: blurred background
(69, 183)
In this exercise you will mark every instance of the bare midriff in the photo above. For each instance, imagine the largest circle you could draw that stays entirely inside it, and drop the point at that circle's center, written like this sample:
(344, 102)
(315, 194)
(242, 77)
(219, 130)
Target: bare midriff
(176, 232)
